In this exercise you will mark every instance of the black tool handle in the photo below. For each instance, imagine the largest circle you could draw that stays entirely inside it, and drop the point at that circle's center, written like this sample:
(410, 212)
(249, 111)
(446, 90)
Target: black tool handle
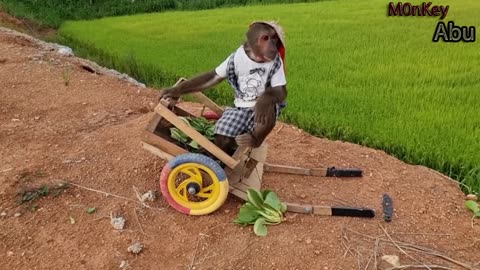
(352, 212)
(353, 172)
(387, 207)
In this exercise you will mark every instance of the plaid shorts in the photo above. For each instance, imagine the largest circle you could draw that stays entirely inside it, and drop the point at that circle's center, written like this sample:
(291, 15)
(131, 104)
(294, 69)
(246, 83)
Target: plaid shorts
(237, 121)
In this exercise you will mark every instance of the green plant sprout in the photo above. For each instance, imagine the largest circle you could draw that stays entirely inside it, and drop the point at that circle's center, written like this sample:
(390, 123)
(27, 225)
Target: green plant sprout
(261, 209)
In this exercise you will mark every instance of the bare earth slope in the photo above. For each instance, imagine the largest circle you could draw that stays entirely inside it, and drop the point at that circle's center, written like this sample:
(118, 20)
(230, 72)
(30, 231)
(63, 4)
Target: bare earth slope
(89, 133)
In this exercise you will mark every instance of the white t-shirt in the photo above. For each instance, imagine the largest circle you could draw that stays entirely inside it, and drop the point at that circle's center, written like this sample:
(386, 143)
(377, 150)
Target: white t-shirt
(252, 77)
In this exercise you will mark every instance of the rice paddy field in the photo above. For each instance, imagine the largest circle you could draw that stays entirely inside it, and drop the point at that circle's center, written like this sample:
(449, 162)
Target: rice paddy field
(353, 73)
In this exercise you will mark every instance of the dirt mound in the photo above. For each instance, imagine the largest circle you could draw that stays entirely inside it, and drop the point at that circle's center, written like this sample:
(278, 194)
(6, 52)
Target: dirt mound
(60, 122)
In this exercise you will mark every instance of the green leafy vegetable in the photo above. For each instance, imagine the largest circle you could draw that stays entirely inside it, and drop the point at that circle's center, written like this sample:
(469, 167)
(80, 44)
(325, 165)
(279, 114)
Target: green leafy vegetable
(473, 206)
(262, 209)
(200, 124)
(260, 227)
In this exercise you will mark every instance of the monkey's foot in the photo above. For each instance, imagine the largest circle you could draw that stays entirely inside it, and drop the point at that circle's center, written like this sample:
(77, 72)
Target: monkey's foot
(245, 140)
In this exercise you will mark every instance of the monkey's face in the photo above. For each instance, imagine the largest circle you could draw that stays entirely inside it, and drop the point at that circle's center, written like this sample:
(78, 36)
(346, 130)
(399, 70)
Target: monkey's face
(264, 41)
(267, 42)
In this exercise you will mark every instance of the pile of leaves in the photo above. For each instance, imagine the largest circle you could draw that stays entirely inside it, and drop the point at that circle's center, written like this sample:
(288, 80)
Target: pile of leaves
(201, 124)
(262, 209)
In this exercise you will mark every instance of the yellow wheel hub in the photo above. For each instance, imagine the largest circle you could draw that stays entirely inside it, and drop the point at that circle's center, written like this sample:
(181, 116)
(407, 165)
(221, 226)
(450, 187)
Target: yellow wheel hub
(199, 189)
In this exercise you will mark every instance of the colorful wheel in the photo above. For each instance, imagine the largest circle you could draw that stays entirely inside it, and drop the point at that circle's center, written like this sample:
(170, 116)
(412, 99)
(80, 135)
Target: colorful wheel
(194, 184)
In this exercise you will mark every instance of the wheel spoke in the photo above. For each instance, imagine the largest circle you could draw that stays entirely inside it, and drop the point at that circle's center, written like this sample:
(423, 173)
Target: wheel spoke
(194, 174)
(207, 189)
(189, 172)
(183, 186)
(204, 195)
(199, 176)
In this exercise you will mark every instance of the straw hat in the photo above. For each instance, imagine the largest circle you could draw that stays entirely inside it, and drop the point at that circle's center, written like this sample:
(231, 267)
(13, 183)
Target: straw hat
(276, 27)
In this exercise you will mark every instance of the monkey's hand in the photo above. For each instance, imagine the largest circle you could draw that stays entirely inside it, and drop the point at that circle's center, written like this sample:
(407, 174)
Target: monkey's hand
(245, 139)
(265, 106)
(264, 111)
(168, 93)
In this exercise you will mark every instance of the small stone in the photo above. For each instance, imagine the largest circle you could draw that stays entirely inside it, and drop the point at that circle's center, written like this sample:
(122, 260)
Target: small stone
(123, 265)
(308, 241)
(317, 252)
(392, 259)
(303, 196)
(15, 120)
(472, 197)
(326, 268)
(10, 253)
(118, 223)
(227, 211)
(37, 118)
(128, 112)
(17, 215)
(136, 248)
(149, 196)
(3, 214)
(63, 50)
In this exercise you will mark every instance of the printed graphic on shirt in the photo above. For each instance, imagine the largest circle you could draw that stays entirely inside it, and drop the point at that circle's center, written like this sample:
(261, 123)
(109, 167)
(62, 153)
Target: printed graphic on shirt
(251, 77)
(249, 86)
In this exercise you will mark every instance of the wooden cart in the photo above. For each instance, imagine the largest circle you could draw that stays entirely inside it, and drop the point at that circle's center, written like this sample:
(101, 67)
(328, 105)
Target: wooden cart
(198, 184)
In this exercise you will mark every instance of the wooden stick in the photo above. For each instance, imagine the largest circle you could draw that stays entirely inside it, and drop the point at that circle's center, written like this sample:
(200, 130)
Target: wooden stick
(280, 129)
(138, 221)
(195, 254)
(420, 266)
(413, 247)
(98, 191)
(154, 150)
(162, 144)
(285, 169)
(375, 252)
(368, 262)
(398, 247)
(105, 193)
(202, 98)
(196, 136)
(6, 170)
(435, 253)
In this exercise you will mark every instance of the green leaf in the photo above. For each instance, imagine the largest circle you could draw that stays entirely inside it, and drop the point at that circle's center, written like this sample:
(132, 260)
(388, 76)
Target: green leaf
(272, 200)
(91, 210)
(265, 192)
(259, 228)
(472, 205)
(178, 135)
(477, 214)
(270, 215)
(185, 119)
(248, 214)
(194, 144)
(255, 197)
(283, 208)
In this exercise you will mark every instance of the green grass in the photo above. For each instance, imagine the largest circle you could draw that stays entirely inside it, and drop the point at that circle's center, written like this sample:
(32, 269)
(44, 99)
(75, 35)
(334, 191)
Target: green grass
(353, 73)
(54, 12)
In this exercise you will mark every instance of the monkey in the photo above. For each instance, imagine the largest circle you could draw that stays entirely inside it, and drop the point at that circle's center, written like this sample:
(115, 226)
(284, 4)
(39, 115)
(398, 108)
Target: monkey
(256, 72)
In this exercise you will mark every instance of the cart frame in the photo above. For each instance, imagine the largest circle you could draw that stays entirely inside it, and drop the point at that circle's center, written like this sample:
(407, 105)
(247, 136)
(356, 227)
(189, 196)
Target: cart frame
(245, 168)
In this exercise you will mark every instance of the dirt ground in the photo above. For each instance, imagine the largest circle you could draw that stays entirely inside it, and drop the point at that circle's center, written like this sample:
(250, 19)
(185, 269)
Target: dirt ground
(61, 122)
